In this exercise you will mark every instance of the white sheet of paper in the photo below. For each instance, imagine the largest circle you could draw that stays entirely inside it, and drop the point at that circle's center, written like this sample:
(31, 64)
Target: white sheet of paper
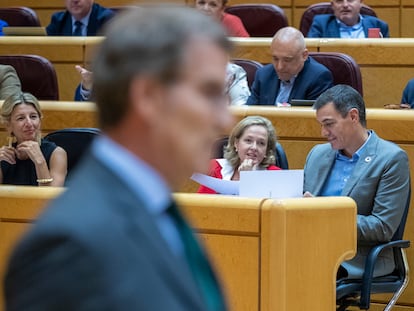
(271, 184)
(219, 185)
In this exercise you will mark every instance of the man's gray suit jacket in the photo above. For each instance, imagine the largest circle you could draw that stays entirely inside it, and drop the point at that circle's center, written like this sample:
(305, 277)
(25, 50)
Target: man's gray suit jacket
(379, 184)
(98, 248)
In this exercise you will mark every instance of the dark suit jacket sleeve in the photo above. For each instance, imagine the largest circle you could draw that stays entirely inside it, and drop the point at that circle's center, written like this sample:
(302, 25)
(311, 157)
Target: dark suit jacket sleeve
(322, 82)
(316, 29)
(324, 26)
(2, 24)
(53, 28)
(99, 16)
(408, 94)
(255, 91)
(384, 28)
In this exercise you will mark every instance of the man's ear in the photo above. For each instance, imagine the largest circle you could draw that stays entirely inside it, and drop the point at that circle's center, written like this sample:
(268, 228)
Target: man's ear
(305, 54)
(354, 114)
(145, 96)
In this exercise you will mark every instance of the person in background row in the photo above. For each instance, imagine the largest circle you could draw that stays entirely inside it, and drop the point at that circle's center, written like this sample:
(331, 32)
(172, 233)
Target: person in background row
(292, 74)
(251, 146)
(115, 239)
(9, 81)
(346, 22)
(27, 159)
(81, 18)
(407, 99)
(359, 164)
(2, 24)
(215, 9)
(236, 77)
(84, 89)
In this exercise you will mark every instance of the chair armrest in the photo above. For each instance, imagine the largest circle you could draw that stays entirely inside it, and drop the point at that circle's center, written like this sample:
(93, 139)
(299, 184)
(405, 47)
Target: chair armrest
(370, 263)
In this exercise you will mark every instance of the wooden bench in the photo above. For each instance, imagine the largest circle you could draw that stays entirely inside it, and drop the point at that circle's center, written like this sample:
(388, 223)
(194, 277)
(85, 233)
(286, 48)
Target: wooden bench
(268, 253)
(297, 130)
(398, 13)
(386, 64)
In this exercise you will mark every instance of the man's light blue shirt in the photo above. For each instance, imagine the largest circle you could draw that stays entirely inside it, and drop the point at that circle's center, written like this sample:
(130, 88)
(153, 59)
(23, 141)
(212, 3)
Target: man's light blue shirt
(284, 91)
(341, 171)
(355, 31)
(144, 182)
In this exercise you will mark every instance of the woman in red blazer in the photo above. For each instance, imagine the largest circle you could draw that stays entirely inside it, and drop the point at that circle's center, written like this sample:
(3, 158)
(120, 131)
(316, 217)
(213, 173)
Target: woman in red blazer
(251, 146)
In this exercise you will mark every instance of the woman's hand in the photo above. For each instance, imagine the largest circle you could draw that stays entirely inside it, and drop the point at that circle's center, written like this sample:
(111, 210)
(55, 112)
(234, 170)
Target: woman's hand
(8, 154)
(307, 194)
(247, 165)
(30, 149)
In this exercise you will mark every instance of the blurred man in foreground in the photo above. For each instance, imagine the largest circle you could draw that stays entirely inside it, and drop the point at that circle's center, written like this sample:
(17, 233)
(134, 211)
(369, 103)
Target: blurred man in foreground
(115, 240)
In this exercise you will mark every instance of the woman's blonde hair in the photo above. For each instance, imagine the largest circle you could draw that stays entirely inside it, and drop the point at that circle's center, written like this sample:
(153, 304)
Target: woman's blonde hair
(230, 152)
(17, 99)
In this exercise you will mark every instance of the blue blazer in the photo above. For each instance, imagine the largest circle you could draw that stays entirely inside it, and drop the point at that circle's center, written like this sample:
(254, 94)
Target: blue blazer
(78, 96)
(97, 247)
(61, 22)
(326, 26)
(2, 24)
(408, 94)
(379, 184)
(313, 80)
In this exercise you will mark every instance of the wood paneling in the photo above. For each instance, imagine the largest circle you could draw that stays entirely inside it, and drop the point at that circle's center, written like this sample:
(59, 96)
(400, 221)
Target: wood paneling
(267, 252)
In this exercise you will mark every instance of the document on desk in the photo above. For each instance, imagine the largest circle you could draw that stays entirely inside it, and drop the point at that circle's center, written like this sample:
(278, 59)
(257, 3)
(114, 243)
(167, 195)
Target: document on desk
(271, 184)
(257, 184)
(221, 186)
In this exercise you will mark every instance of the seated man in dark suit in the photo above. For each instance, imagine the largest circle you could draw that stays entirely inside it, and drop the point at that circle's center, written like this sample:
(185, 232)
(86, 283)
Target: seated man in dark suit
(346, 22)
(292, 74)
(407, 100)
(81, 18)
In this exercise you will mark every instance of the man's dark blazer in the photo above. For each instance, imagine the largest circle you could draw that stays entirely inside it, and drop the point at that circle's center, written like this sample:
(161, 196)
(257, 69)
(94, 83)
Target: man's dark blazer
(61, 22)
(408, 94)
(98, 248)
(326, 26)
(78, 96)
(313, 79)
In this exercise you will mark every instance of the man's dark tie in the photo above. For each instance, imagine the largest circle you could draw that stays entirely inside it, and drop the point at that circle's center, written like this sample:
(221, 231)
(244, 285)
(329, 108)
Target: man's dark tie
(78, 29)
(198, 263)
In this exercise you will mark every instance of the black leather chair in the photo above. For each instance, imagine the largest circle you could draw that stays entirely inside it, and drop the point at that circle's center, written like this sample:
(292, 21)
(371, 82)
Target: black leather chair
(260, 20)
(324, 8)
(20, 16)
(250, 66)
(75, 141)
(36, 73)
(343, 67)
(358, 292)
(281, 159)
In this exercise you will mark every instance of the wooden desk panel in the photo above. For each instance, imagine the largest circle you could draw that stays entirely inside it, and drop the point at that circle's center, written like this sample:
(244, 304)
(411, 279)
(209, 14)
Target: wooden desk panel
(266, 251)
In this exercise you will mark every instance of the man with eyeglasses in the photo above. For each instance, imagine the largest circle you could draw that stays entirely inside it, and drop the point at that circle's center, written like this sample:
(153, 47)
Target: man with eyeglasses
(347, 22)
